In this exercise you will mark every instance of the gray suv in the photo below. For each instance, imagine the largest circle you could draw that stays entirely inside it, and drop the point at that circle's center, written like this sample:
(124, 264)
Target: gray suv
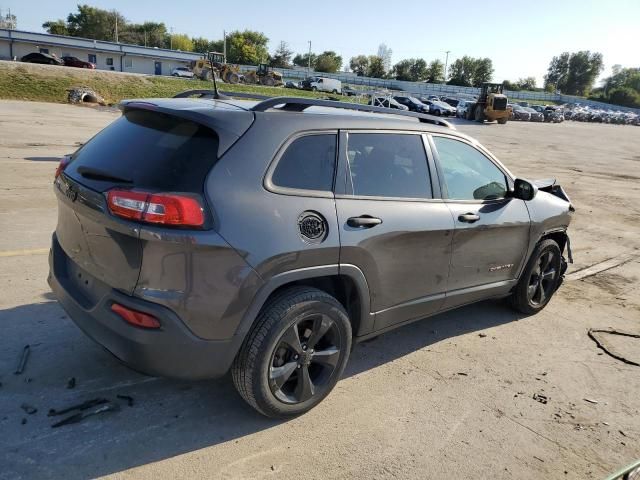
(201, 235)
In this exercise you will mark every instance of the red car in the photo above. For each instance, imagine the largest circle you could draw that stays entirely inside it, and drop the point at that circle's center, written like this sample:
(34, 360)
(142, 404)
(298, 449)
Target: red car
(76, 62)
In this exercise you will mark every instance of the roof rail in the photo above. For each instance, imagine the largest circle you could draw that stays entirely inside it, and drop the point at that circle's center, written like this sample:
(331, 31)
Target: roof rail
(299, 104)
(222, 95)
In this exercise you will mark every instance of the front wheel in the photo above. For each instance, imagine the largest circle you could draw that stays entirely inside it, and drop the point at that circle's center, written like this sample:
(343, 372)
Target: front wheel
(539, 280)
(502, 120)
(479, 115)
(295, 353)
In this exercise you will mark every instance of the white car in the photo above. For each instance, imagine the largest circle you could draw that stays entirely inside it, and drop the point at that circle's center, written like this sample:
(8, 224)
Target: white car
(182, 72)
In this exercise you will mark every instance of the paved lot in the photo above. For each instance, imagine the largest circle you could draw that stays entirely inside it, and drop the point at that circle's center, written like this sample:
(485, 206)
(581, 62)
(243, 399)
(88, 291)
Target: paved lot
(448, 397)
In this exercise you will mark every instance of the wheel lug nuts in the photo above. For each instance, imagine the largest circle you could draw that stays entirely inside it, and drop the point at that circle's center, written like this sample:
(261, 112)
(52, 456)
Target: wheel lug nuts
(299, 365)
(295, 357)
(304, 347)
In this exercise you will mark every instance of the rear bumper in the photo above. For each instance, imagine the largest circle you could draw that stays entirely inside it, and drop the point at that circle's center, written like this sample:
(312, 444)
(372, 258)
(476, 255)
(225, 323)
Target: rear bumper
(170, 351)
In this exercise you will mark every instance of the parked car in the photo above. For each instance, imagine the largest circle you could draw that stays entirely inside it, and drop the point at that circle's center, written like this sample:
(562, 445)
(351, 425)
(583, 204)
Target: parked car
(322, 84)
(387, 103)
(518, 113)
(182, 72)
(451, 101)
(436, 107)
(465, 108)
(42, 58)
(230, 247)
(349, 91)
(412, 103)
(290, 84)
(77, 63)
(534, 115)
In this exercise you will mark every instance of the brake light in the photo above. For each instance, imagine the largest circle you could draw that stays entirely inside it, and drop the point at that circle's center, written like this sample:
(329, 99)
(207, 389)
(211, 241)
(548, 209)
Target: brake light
(161, 208)
(136, 318)
(64, 161)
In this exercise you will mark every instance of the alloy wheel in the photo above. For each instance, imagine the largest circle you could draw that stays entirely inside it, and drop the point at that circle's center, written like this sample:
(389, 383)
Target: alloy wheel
(542, 279)
(305, 359)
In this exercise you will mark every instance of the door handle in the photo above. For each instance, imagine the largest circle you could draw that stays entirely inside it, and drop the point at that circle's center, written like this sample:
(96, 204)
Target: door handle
(469, 217)
(363, 221)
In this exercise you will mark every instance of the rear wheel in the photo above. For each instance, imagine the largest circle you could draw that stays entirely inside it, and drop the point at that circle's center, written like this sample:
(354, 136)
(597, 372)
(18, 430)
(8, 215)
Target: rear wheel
(268, 81)
(502, 120)
(540, 278)
(295, 353)
(232, 78)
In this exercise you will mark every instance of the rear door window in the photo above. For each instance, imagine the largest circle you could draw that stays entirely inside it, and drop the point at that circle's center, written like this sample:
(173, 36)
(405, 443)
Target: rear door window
(308, 163)
(388, 165)
(147, 150)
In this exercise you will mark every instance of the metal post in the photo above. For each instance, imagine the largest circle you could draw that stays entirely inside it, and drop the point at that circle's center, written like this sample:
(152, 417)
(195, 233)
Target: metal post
(446, 64)
(309, 67)
(171, 39)
(224, 45)
(116, 14)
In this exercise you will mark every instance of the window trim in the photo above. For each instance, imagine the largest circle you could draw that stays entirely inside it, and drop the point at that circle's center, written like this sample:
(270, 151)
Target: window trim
(443, 186)
(341, 189)
(268, 184)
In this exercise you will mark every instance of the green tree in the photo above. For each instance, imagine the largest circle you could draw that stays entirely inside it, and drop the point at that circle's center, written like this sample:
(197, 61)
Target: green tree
(56, 27)
(528, 83)
(248, 47)
(556, 76)
(282, 56)
(625, 96)
(435, 72)
(359, 65)
(204, 45)
(411, 70)
(95, 23)
(179, 41)
(329, 62)
(302, 60)
(461, 71)
(482, 71)
(376, 67)
(513, 86)
(584, 68)
(402, 70)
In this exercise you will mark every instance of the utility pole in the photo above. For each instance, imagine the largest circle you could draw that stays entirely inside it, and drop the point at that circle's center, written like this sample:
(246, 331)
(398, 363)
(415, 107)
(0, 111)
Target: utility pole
(224, 45)
(116, 14)
(171, 39)
(446, 63)
(309, 67)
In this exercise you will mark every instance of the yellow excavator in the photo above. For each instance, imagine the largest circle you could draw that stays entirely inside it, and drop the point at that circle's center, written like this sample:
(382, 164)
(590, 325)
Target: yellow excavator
(214, 64)
(491, 104)
(263, 75)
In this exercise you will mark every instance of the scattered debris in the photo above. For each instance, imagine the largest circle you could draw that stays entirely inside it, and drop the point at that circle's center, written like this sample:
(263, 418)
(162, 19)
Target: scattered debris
(595, 402)
(601, 343)
(128, 398)
(84, 95)
(71, 383)
(463, 374)
(29, 410)
(538, 458)
(23, 360)
(81, 406)
(78, 417)
(605, 423)
(482, 335)
(622, 433)
(540, 398)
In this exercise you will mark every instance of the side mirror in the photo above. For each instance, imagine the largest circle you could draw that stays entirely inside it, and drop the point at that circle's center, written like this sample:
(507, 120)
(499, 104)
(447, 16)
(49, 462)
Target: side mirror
(523, 189)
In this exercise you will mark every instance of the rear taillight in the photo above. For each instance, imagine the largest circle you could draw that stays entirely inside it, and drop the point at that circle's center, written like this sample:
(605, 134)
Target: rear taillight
(161, 208)
(136, 318)
(64, 161)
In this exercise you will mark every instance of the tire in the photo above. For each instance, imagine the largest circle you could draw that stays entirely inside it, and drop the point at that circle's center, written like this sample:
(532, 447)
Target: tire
(314, 89)
(479, 114)
(175, 75)
(277, 356)
(334, 91)
(268, 81)
(502, 121)
(526, 297)
(437, 113)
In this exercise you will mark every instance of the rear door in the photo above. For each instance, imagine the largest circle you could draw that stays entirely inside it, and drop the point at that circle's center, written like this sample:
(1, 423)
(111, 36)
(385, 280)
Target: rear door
(141, 150)
(491, 229)
(393, 225)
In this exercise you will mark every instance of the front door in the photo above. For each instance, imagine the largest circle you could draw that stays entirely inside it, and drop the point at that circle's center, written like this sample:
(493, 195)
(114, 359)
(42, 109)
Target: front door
(158, 68)
(491, 229)
(393, 225)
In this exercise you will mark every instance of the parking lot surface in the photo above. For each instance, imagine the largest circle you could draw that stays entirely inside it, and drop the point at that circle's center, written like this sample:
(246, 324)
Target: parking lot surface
(448, 397)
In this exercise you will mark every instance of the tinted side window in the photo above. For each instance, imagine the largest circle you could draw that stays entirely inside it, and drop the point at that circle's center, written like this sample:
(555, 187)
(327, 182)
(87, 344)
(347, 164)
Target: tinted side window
(307, 164)
(388, 165)
(468, 174)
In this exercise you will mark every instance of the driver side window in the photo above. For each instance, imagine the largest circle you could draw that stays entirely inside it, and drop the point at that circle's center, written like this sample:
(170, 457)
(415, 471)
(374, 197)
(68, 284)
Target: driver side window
(468, 174)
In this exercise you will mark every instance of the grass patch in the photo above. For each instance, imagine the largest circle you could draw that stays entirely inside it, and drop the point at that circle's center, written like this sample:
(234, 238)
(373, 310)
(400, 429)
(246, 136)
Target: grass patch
(46, 83)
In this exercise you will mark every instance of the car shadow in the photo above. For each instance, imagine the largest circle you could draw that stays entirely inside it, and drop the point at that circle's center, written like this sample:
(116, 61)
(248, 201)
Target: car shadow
(168, 417)
(43, 159)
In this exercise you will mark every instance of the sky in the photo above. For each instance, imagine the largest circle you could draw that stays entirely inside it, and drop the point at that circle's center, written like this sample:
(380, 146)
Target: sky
(519, 36)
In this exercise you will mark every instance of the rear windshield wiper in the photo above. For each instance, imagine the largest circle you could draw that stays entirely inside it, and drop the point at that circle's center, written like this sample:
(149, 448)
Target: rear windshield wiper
(100, 175)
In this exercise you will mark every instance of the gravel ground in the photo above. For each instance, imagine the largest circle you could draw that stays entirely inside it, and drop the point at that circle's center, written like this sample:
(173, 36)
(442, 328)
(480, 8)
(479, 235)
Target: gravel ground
(448, 397)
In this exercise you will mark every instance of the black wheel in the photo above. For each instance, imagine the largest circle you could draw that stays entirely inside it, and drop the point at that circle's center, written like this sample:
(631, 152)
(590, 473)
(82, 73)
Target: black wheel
(502, 120)
(540, 278)
(334, 91)
(295, 353)
(315, 89)
(479, 114)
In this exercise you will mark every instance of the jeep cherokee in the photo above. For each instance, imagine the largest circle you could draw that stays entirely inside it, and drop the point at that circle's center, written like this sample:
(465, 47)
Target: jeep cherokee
(201, 235)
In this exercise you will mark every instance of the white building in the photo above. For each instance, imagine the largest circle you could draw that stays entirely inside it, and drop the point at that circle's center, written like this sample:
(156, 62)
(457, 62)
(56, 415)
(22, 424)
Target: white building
(14, 44)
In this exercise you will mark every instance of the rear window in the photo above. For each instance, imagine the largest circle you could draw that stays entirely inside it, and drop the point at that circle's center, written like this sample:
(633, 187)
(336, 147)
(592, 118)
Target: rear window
(147, 150)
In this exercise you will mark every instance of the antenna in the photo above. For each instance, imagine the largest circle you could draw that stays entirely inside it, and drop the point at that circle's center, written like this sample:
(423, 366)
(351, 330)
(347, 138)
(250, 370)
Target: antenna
(216, 94)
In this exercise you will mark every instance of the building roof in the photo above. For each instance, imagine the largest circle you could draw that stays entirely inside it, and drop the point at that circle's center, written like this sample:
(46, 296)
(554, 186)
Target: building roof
(47, 39)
